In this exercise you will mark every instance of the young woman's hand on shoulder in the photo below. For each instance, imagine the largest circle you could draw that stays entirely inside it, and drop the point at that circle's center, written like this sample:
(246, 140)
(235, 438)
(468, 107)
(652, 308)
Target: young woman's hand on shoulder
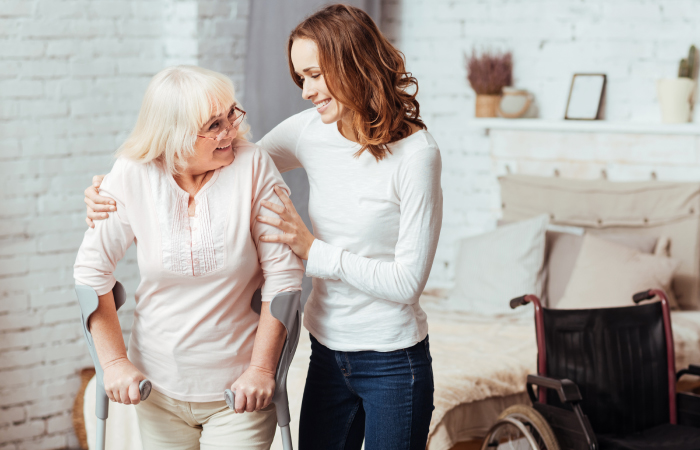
(296, 234)
(98, 207)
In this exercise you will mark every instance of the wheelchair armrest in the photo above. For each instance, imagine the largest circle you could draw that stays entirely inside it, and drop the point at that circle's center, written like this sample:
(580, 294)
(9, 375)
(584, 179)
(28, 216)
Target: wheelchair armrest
(692, 369)
(568, 393)
(567, 389)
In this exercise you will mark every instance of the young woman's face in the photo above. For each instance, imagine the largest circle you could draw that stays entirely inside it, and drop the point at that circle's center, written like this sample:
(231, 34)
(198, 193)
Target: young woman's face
(210, 153)
(305, 61)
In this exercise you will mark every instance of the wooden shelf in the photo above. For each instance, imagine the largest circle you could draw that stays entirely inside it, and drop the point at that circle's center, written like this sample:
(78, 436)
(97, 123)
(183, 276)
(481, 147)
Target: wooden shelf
(585, 126)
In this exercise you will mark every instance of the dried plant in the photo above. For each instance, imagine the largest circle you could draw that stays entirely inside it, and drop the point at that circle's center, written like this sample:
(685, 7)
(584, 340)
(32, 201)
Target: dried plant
(490, 72)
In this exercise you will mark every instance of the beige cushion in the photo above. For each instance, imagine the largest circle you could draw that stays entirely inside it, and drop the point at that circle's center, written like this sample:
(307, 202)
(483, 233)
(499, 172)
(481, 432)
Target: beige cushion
(563, 249)
(494, 267)
(650, 208)
(607, 275)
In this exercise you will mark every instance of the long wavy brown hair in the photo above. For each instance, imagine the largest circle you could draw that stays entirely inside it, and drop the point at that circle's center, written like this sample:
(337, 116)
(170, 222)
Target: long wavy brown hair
(365, 73)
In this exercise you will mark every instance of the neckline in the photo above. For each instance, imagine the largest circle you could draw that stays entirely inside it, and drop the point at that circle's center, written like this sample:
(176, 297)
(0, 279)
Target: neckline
(206, 186)
(357, 144)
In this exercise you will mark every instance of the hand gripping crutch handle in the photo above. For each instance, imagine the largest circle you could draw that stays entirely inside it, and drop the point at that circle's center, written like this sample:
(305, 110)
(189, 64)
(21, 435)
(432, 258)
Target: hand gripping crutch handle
(285, 307)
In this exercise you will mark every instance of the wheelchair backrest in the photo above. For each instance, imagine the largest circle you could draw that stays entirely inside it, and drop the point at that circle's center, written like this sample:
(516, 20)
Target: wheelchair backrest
(617, 357)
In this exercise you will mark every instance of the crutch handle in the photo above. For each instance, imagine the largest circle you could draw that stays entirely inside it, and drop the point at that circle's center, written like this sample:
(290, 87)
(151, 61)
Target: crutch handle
(145, 389)
(230, 398)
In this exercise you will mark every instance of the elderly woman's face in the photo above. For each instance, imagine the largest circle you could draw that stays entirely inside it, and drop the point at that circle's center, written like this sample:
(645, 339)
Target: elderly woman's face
(214, 145)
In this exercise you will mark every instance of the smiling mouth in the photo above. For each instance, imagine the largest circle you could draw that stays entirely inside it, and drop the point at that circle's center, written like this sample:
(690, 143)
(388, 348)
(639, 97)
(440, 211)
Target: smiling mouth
(320, 105)
(226, 147)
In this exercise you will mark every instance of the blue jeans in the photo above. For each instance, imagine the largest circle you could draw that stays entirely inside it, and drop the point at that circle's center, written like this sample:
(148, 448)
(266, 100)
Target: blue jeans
(385, 398)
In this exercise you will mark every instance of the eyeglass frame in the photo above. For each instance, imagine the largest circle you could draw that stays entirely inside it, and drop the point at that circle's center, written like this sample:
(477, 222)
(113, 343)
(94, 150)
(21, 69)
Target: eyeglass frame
(230, 126)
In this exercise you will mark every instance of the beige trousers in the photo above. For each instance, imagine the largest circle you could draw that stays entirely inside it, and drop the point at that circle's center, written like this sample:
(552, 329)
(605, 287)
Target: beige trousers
(169, 424)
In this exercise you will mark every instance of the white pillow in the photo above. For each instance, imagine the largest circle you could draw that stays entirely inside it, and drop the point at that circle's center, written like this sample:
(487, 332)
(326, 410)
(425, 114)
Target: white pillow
(495, 267)
(606, 275)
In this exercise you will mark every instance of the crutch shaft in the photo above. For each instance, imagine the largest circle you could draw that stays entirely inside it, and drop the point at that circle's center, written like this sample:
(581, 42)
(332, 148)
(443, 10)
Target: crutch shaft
(100, 438)
(286, 437)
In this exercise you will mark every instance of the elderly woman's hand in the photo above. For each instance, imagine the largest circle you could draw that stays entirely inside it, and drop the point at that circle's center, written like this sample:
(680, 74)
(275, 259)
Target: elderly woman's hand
(121, 380)
(296, 235)
(97, 205)
(254, 389)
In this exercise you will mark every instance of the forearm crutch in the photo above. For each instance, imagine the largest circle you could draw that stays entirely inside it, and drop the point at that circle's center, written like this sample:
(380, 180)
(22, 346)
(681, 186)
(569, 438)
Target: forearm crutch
(285, 307)
(87, 297)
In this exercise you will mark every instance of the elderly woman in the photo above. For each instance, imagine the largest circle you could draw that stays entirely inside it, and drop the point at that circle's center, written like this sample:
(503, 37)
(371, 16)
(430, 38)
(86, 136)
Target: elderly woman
(188, 190)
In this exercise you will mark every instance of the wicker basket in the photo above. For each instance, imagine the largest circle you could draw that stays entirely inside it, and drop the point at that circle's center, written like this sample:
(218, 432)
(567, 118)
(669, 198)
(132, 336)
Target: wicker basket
(78, 417)
(487, 105)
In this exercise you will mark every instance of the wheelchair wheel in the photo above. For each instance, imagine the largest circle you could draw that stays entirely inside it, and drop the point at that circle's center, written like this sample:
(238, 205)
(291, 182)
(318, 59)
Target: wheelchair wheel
(520, 427)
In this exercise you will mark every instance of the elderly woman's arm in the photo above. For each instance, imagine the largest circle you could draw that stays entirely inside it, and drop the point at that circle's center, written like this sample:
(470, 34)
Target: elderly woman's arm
(121, 377)
(97, 259)
(282, 271)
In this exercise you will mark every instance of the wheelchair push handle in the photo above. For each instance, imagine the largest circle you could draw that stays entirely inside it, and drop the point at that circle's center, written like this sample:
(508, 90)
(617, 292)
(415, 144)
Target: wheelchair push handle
(524, 300)
(519, 301)
(641, 296)
(649, 294)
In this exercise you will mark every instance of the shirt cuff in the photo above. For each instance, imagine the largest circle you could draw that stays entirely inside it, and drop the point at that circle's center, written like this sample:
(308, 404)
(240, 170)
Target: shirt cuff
(324, 261)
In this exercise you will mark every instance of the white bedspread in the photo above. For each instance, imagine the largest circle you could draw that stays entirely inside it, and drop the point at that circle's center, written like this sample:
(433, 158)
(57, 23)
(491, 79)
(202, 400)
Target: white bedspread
(473, 360)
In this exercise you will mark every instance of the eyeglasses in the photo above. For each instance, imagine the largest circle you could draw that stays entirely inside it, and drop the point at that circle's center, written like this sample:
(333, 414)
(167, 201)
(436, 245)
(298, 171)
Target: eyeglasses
(235, 118)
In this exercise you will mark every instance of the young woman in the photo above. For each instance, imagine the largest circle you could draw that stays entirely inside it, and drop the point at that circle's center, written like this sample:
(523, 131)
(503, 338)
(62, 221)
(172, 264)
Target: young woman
(376, 209)
(188, 193)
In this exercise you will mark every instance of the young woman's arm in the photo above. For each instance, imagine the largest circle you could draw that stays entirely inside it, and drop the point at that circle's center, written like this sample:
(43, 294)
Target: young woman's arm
(97, 258)
(401, 280)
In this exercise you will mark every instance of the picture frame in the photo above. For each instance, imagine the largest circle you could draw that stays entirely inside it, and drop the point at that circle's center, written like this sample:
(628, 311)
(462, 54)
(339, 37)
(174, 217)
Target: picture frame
(586, 96)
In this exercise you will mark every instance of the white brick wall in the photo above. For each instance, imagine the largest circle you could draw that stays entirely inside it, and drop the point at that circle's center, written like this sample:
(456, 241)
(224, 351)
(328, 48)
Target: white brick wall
(72, 75)
(634, 42)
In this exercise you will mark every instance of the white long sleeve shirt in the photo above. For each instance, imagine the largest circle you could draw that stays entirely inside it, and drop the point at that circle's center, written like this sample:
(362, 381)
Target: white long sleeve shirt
(376, 225)
(193, 328)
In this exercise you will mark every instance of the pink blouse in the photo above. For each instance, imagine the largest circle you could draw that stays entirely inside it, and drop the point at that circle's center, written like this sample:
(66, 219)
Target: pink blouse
(193, 328)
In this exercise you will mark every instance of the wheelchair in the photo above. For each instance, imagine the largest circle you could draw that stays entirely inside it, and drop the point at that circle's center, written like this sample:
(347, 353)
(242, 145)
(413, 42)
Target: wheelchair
(606, 381)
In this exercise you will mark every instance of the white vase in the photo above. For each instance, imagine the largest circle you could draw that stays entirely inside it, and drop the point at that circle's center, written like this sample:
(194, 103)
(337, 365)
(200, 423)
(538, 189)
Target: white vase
(675, 99)
(514, 103)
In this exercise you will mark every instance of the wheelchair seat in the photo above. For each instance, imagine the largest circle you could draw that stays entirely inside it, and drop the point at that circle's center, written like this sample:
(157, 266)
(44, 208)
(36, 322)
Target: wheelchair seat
(662, 437)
